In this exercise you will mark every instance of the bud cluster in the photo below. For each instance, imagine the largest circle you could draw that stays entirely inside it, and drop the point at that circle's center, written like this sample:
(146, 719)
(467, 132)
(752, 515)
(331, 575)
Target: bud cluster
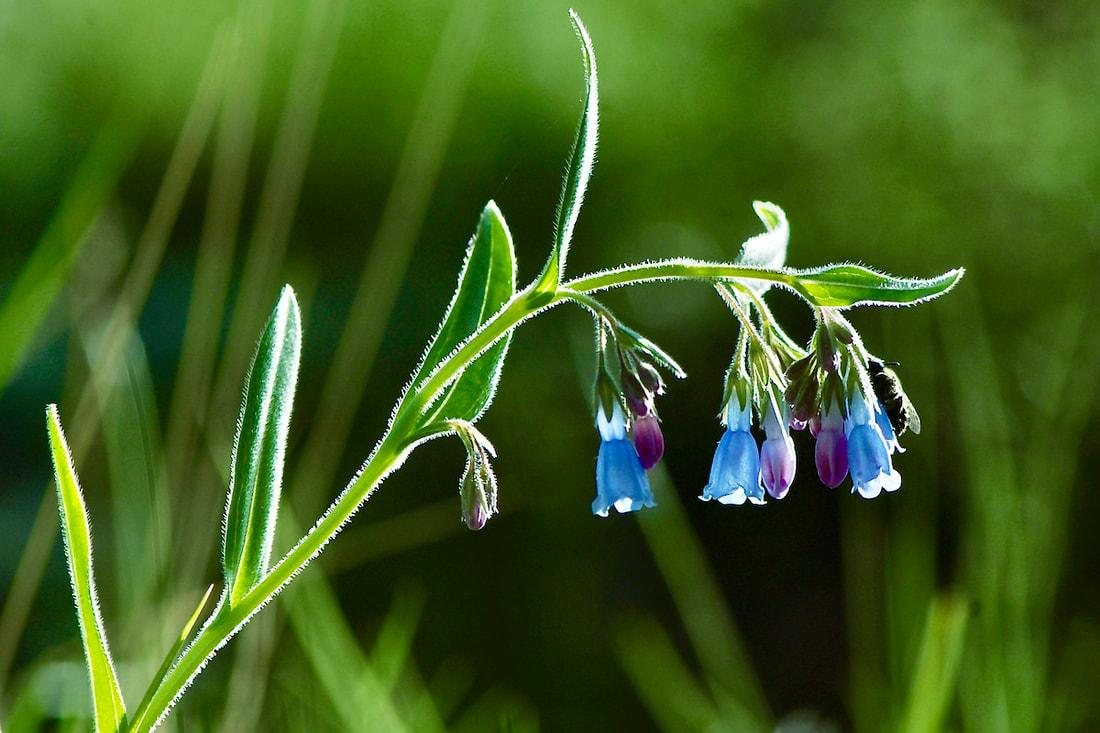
(852, 403)
(627, 376)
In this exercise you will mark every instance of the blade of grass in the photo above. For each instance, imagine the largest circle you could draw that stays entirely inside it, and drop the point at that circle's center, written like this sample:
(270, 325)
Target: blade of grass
(358, 696)
(863, 548)
(110, 711)
(131, 439)
(992, 530)
(933, 684)
(715, 641)
(278, 203)
(265, 254)
(1017, 521)
(663, 681)
(214, 258)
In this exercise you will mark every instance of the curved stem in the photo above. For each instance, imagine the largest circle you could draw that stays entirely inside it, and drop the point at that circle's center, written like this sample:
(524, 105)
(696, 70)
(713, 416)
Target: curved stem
(398, 442)
(679, 269)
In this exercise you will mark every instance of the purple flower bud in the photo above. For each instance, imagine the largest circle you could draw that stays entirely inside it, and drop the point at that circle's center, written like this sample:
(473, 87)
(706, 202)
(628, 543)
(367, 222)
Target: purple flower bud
(478, 494)
(650, 378)
(637, 400)
(477, 518)
(777, 460)
(648, 440)
(831, 456)
(831, 453)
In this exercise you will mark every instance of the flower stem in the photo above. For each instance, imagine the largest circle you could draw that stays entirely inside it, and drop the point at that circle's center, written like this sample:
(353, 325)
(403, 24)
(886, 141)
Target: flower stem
(399, 440)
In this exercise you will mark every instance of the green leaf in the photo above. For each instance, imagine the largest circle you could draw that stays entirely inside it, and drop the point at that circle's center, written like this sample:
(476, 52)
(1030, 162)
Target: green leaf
(581, 159)
(259, 449)
(845, 286)
(486, 283)
(110, 710)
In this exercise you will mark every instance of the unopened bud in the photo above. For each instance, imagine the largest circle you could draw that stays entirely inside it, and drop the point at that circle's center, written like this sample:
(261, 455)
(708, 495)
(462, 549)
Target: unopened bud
(650, 378)
(827, 355)
(635, 394)
(478, 493)
(648, 440)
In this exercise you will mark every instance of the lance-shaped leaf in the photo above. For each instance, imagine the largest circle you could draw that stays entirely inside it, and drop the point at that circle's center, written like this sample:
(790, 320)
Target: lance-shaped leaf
(486, 283)
(847, 285)
(258, 450)
(110, 710)
(581, 159)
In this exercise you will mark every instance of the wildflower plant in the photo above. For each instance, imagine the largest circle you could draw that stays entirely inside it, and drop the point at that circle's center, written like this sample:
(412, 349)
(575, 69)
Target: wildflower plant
(833, 388)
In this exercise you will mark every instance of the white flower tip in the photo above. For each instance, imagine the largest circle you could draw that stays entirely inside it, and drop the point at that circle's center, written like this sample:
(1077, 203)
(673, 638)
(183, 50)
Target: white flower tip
(613, 428)
(736, 497)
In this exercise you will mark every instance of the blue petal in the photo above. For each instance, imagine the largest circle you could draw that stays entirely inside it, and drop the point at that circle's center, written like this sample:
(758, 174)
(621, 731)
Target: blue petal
(869, 462)
(735, 472)
(621, 481)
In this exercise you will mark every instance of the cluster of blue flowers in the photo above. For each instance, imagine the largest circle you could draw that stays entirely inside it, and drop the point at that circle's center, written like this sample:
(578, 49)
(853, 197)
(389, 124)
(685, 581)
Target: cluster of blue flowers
(847, 399)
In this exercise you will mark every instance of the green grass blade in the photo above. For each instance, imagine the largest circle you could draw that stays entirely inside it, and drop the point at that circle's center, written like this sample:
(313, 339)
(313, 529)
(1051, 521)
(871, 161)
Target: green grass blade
(110, 711)
(39, 282)
(663, 680)
(933, 685)
(581, 160)
(707, 620)
(486, 283)
(259, 448)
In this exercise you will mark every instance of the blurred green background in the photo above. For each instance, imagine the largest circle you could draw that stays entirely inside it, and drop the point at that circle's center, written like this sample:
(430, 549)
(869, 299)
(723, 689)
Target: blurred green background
(165, 167)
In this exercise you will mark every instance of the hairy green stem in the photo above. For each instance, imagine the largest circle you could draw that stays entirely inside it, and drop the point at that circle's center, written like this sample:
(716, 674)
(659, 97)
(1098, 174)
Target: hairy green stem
(399, 441)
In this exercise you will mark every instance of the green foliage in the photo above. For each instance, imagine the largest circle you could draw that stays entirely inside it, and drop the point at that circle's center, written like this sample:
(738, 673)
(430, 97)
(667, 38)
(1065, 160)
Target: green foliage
(462, 362)
(936, 671)
(110, 710)
(846, 286)
(46, 270)
(908, 138)
(579, 169)
(487, 282)
(259, 450)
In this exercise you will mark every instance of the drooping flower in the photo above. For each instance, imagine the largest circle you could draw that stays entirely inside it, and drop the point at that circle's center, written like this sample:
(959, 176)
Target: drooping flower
(620, 479)
(869, 450)
(831, 452)
(475, 502)
(777, 460)
(735, 472)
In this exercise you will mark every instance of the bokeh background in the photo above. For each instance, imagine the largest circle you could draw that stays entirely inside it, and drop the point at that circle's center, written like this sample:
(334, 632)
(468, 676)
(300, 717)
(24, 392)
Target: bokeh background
(166, 167)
